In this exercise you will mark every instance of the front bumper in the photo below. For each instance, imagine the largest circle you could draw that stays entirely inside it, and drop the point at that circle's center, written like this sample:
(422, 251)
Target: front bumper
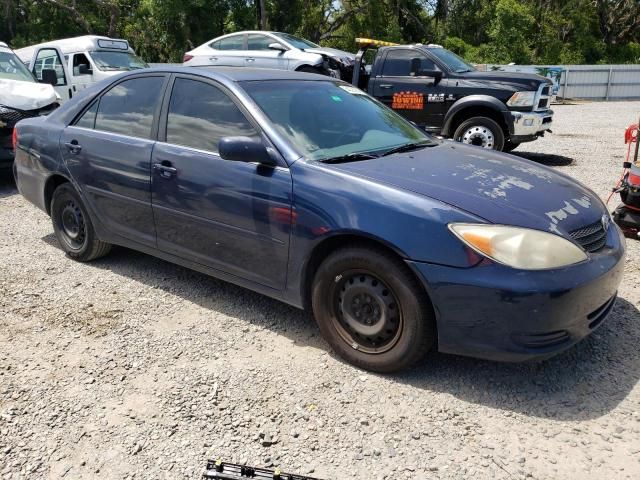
(499, 313)
(6, 148)
(529, 125)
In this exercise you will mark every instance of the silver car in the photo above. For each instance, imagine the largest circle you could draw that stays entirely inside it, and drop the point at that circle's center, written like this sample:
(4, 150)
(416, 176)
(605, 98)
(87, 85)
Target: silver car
(272, 50)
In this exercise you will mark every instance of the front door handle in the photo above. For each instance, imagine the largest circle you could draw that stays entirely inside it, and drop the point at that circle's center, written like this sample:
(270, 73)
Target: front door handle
(213, 59)
(250, 59)
(165, 169)
(386, 86)
(73, 146)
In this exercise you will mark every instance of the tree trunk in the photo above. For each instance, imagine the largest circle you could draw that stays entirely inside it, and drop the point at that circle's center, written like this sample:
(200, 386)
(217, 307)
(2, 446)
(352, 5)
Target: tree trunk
(263, 16)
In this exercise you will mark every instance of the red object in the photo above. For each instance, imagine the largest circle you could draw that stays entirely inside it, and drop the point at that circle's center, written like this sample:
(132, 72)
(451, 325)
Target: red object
(186, 58)
(631, 134)
(14, 139)
(633, 179)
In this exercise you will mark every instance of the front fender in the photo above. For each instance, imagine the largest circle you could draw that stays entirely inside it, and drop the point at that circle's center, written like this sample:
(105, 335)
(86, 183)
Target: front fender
(485, 101)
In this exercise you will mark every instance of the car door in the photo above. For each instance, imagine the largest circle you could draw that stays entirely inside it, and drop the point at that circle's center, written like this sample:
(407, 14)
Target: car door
(231, 216)
(418, 98)
(46, 61)
(108, 152)
(229, 51)
(81, 71)
(260, 55)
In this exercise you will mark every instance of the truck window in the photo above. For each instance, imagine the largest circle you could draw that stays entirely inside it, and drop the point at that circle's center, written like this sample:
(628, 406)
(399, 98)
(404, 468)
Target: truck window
(80, 59)
(398, 63)
(48, 59)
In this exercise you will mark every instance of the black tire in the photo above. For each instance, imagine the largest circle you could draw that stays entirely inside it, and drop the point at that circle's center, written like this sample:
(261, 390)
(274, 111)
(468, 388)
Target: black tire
(509, 146)
(309, 69)
(481, 131)
(72, 226)
(399, 313)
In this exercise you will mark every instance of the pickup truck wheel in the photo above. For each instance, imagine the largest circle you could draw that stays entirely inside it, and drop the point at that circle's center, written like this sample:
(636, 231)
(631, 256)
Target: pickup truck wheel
(480, 131)
(72, 226)
(371, 310)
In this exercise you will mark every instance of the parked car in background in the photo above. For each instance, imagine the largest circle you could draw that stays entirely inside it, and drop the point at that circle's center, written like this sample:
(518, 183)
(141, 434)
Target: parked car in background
(272, 50)
(72, 64)
(20, 97)
(306, 189)
(442, 93)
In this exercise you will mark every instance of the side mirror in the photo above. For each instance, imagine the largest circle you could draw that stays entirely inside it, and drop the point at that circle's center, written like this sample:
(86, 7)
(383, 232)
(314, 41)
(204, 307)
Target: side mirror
(50, 76)
(84, 69)
(435, 74)
(245, 149)
(277, 46)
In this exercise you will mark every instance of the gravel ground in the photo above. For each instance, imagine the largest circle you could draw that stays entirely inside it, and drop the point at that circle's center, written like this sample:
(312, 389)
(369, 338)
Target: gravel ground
(130, 367)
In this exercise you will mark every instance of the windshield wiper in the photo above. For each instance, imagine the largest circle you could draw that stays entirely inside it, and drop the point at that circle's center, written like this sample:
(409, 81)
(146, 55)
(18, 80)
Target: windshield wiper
(350, 157)
(407, 147)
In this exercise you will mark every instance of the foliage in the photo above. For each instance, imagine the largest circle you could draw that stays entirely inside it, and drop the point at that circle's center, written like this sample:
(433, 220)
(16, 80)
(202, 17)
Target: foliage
(491, 31)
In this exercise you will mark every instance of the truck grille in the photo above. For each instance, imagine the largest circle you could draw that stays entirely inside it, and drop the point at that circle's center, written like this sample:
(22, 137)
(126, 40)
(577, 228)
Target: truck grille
(542, 99)
(11, 116)
(592, 237)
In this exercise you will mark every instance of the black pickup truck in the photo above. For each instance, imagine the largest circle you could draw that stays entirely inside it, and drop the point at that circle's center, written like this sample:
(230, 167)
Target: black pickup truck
(440, 92)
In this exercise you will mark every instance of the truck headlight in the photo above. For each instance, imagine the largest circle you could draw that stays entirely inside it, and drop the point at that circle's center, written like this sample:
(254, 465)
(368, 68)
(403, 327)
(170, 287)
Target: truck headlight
(521, 248)
(522, 99)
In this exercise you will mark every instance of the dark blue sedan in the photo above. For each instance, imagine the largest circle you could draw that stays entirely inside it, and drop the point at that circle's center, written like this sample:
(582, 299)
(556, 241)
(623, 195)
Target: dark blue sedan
(305, 189)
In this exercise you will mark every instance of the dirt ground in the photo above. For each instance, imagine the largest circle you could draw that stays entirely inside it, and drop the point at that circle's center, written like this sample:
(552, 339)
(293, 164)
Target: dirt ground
(130, 367)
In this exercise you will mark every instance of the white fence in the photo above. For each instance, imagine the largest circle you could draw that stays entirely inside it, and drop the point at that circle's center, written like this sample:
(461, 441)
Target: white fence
(592, 82)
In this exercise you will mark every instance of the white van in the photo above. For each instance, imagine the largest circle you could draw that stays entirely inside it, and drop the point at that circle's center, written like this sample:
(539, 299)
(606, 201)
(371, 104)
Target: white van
(20, 97)
(75, 63)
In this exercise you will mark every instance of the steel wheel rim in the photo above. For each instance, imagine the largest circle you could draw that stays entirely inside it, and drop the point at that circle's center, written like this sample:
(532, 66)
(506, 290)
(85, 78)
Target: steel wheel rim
(367, 314)
(72, 225)
(479, 135)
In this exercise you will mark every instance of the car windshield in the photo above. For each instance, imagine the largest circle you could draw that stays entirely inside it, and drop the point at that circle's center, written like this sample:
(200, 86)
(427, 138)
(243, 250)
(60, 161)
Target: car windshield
(328, 119)
(12, 68)
(453, 61)
(300, 43)
(105, 60)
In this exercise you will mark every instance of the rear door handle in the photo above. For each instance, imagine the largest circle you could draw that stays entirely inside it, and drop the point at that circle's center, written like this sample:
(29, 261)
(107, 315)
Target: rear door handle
(73, 146)
(250, 59)
(165, 169)
(386, 86)
(213, 59)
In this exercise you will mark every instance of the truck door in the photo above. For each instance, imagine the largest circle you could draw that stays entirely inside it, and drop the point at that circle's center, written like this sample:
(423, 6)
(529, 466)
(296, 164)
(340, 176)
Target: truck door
(48, 66)
(81, 72)
(403, 85)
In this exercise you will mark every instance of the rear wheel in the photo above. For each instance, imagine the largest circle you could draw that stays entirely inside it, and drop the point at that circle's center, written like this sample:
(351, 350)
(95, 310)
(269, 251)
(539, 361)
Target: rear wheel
(371, 310)
(480, 131)
(72, 226)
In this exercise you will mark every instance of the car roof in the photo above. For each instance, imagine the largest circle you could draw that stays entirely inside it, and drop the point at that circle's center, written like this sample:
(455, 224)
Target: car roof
(239, 74)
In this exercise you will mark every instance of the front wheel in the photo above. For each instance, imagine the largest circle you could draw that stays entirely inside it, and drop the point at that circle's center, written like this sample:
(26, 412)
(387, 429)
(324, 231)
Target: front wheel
(73, 227)
(371, 310)
(480, 131)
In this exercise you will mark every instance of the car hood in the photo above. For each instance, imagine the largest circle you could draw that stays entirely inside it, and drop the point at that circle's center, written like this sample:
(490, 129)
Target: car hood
(332, 52)
(517, 80)
(26, 95)
(500, 188)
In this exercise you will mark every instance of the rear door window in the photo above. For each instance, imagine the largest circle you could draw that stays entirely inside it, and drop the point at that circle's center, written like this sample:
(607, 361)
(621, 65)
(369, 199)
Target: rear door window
(130, 106)
(398, 63)
(200, 114)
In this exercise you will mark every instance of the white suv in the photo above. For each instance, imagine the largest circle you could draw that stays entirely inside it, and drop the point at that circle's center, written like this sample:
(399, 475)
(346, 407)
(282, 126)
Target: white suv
(272, 50)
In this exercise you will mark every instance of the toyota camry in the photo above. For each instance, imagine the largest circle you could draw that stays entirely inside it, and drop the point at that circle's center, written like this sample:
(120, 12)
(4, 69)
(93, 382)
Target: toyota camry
(304, 188)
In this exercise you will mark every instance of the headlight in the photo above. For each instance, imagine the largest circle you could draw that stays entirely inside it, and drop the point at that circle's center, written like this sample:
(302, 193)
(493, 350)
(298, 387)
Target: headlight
(522, 99)
(517, 247)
